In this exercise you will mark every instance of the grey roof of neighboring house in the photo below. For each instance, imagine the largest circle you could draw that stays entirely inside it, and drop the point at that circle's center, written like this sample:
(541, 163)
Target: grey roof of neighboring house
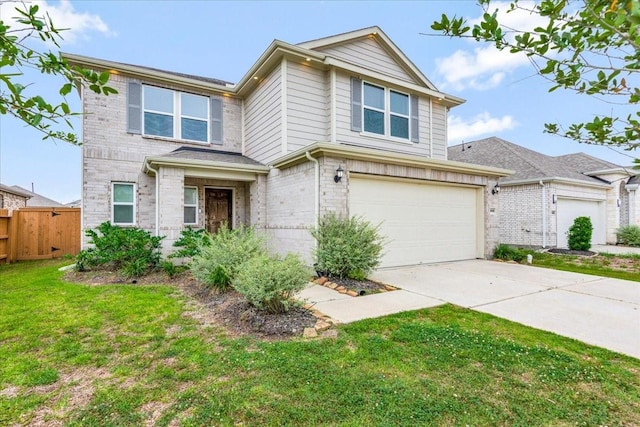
(15, 191)
(529, 165)
(207, 154)
(586, 163)
(634, 180)
(37, 200)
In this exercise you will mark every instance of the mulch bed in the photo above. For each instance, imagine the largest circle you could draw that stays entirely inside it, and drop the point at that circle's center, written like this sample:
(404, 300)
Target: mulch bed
(570, 252)
(226, 309)
(353, 287)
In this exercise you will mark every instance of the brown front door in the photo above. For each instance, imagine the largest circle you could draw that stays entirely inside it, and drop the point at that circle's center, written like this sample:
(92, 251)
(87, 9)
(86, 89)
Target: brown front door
(218, 208)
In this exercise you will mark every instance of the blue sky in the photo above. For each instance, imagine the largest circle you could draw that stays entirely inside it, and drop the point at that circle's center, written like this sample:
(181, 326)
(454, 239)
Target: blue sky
(223, 39)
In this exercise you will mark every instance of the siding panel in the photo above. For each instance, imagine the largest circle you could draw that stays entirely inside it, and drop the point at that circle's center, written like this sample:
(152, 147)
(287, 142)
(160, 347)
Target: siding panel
(263, 120)
(369, 54)
(307, 119)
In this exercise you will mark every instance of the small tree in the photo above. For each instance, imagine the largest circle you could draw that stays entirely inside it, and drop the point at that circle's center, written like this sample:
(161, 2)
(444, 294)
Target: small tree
(579, 234)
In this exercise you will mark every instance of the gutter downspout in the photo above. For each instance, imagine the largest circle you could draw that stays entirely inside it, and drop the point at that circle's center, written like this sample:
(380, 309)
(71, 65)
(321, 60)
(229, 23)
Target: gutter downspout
(155, 172)
(317, 187)
(544, 215)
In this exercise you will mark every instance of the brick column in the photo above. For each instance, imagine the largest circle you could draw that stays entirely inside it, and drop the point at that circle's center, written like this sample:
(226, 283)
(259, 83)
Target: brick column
(171, 201)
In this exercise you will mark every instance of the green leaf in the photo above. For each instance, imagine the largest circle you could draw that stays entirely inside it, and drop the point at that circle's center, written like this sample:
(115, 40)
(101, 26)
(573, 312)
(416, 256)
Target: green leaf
(66, 89)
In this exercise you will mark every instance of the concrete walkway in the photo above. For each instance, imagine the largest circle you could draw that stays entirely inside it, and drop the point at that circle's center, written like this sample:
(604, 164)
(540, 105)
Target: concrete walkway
(596, 310)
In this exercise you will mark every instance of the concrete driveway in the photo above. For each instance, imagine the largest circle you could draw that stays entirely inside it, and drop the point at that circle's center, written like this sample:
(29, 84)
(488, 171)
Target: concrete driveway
(596, 310)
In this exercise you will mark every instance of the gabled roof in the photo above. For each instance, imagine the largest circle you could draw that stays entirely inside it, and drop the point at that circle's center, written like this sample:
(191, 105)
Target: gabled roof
(590, 165)
(273, 56)
(382, 39)
(15, 191)
(529, 165)
(37, 200)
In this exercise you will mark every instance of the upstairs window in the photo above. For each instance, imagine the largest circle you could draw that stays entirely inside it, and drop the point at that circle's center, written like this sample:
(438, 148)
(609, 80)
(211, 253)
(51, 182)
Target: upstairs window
(156, 111)
(175, 114)
(383, 111)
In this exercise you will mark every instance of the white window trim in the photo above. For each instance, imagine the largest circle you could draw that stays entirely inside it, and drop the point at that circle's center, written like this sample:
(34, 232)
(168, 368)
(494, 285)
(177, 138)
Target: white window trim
(185, 205)
(387, 115)
(177, 116)
(114, 203)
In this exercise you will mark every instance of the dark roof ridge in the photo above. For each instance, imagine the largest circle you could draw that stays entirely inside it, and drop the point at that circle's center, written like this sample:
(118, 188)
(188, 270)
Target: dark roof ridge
(512, 148)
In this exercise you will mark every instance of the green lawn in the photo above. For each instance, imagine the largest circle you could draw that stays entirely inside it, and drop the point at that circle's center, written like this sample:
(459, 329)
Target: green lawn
(129, 355)
(625, 267)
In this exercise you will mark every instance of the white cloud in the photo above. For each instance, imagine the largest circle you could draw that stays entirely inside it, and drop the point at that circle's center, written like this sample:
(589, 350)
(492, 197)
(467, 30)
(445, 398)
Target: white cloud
(483, 68)
(76, 25)
(482, 124)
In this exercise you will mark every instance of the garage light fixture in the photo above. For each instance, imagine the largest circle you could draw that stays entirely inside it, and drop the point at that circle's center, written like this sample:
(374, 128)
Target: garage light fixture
(339, 173)
(495, 189)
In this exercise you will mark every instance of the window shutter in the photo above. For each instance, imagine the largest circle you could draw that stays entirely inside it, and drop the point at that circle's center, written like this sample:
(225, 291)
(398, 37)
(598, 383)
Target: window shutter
(216, 120)
(134, 109)
(356, 104)
(415, 131)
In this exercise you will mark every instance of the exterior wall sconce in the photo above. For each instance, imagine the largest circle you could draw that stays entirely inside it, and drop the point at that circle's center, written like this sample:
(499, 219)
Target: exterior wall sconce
(618, 202)
(339, 173)
(554, 199)
(495, 189)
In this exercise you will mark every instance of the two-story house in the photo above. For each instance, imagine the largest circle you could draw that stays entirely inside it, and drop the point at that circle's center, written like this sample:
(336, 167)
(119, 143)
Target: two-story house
(345, 124)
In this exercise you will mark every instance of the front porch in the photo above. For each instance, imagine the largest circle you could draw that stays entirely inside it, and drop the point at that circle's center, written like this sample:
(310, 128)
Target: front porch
(205, 188)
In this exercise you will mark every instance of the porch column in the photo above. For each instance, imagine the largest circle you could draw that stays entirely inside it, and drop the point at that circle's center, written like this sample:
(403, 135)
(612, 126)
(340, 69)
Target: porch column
(171, 201)
(258, 202)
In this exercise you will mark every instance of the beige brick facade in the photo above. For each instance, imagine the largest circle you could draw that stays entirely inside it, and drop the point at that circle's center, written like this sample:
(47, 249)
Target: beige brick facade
(284, 108)
(11, 201)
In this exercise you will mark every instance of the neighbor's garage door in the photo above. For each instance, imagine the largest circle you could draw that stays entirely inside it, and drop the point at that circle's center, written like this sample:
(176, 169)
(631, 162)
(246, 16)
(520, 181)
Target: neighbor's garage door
(569, 209)
(423, 222)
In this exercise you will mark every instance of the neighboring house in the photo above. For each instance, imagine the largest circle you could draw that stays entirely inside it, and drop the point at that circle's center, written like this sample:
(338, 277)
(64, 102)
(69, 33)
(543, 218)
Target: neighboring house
(171, 150)
(37, 200)
(11, 198)
(540, 201)
(74, 204)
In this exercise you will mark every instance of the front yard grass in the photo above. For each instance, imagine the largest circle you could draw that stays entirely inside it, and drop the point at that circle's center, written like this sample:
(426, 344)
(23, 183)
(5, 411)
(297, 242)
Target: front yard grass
(625, 267)
(130, 355)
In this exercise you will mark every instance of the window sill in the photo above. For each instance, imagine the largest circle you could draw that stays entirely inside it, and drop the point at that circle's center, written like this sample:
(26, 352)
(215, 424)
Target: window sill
(387, 138)
(178, 141)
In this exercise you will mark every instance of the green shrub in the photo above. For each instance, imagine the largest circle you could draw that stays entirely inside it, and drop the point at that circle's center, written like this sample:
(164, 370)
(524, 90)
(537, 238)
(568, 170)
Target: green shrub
(347, 247)
(222, 254)
(629, 235)
(508, 253)
(190, 243)
(579, 234)
(269, 282)
(131, 250)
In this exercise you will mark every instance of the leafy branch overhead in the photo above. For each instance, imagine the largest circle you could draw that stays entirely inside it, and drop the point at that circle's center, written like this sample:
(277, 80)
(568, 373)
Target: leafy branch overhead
(593, 49)
(17, 55)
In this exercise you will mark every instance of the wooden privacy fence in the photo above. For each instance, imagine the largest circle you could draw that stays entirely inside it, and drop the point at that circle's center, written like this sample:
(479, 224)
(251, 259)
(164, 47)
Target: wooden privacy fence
(39, 233)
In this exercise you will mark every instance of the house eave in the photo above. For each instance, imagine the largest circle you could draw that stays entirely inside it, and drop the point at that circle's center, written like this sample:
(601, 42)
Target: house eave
(146, 73)
(555, 180)
(206, 168)
(621, 170)
(320, 149)
(270, 58)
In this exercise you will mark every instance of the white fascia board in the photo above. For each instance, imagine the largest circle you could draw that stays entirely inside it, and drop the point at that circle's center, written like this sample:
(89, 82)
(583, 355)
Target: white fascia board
(202, 164)
(554, 179)
(381, 156)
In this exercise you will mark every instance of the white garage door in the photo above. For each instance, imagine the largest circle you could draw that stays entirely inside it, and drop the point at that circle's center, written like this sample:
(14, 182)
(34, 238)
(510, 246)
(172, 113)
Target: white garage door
(569, 209)
(423, 222)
